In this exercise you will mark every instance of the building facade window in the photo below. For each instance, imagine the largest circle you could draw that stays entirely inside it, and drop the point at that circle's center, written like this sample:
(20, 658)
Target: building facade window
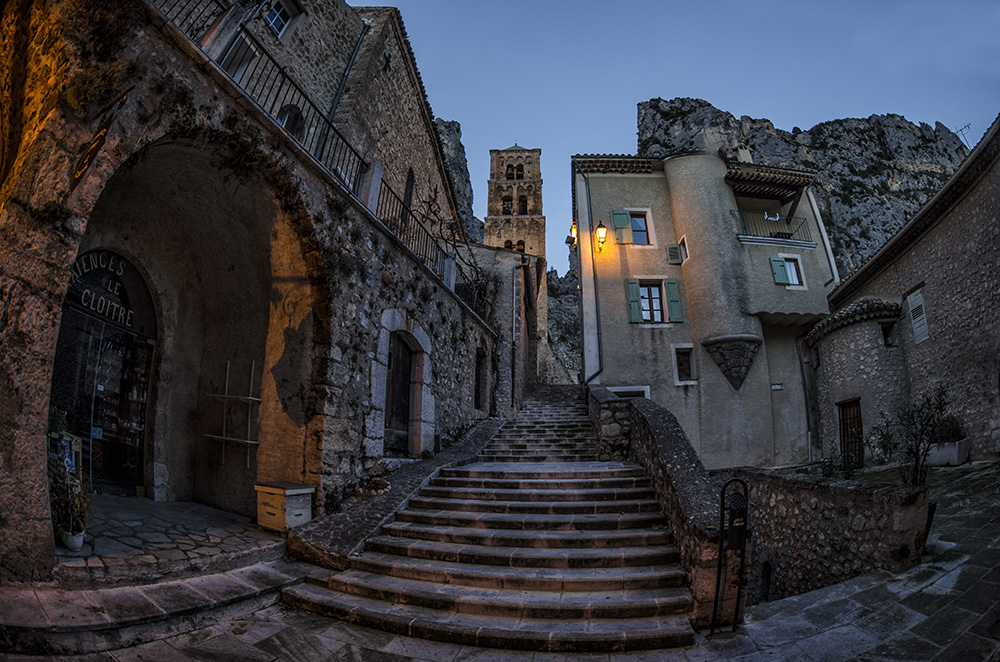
(519, 172)
(851, 433)
(507, 206)
(522, 205)
(684, 369)
(510, 172)
(640, 232)
(633, 226)
(645, 299)
(281, 17)
(787, 270)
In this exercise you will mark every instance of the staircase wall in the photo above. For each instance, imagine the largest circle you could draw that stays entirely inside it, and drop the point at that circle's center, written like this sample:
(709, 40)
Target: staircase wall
(641, 430)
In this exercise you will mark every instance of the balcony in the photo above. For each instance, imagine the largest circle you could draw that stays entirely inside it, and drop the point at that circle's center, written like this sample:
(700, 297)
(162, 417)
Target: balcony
(265, 81)
(777, 229)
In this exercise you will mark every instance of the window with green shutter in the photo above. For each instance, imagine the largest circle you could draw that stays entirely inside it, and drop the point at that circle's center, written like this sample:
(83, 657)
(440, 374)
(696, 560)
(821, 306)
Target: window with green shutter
(621, 223)
(633, 299)
(674, 255)
(673, 289)
(780, 271)
(918, 317)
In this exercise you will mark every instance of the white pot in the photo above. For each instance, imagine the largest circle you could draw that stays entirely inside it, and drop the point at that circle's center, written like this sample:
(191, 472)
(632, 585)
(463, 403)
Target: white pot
(72, 541)
(951, 454)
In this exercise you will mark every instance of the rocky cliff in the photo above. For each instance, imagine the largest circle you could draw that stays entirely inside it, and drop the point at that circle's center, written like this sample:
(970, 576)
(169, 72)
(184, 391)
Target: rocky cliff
(458, 172)
(564, 319)
(872, 174)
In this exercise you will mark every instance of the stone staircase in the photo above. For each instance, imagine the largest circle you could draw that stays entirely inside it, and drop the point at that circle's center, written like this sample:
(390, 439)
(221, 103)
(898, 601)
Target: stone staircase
(535, 546)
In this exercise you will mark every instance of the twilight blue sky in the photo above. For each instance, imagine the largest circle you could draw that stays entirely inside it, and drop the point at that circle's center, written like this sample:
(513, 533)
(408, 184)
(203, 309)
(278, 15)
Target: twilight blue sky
(565, 76)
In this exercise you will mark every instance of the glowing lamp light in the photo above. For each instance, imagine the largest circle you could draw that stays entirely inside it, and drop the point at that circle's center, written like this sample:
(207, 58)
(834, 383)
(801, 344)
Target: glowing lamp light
(602, 235)
(572, 231)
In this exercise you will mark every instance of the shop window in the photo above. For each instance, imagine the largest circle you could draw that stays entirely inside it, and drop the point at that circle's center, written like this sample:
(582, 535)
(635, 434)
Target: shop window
(684, 370)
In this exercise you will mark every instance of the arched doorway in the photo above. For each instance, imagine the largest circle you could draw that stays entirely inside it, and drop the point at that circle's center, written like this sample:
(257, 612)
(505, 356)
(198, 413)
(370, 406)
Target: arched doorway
(398, 392)
(101, 372)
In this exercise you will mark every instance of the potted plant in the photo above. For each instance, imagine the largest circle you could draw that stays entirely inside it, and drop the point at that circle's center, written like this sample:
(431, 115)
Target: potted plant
(71, 505)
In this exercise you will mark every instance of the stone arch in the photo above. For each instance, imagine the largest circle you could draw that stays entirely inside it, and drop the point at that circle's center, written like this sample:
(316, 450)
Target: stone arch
(395, 322)
(231, 262)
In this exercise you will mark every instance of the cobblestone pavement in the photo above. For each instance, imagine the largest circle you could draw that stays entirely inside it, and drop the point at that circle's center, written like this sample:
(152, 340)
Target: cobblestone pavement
(129, 535)
(947, 608)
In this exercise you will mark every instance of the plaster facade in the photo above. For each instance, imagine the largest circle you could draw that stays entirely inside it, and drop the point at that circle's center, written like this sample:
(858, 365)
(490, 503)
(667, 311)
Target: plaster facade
(682, 303)
(261, 263)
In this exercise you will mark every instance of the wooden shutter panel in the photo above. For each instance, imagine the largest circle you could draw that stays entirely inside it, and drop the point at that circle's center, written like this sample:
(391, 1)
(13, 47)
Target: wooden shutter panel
(621, 223)
(918, 316)
(673, 289)
(633, 299)
(779, 271)
(674, 254)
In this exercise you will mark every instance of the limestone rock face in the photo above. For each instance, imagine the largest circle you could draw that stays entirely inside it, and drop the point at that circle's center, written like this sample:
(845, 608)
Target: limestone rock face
(872, 174)
(458, 171)
(564, 319)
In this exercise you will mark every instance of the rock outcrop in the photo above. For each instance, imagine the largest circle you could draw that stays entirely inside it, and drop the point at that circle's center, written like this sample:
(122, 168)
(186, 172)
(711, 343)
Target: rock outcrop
(564, 319)
(872, 174)
(458, 171)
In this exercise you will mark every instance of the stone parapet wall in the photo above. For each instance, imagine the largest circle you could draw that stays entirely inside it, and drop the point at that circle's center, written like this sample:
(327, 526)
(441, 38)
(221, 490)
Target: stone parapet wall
(811, 531)
(640, 430)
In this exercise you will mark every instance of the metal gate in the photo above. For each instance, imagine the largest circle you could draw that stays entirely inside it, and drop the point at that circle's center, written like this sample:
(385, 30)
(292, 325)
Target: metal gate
(851, 434)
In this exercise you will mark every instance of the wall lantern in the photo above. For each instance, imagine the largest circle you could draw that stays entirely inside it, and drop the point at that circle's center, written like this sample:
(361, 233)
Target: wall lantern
(602, 235)
(571, 239)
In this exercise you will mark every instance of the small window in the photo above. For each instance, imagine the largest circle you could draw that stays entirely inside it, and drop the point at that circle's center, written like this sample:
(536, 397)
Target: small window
(651, 301)
(290, 117)
(519, 172)
(278, 18)
(918, 317)
(520, 245)
(640, 235)
(508, 244)
(508, 206)
(522, 205)
(787, 271)
(888, 333)
(677, 253)
(510, 172)
(794, 271)
(684, 249)
(645, 299)
(684, 372)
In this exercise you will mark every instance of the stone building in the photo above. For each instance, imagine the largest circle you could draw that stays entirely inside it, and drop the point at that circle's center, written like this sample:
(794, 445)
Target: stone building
(921, 313)
(229, 253)
(698, 278)
(515, 221)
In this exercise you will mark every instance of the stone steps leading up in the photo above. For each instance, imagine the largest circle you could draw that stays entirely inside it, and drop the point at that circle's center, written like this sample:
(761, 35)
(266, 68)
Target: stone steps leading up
(70, 622)
(535, 546)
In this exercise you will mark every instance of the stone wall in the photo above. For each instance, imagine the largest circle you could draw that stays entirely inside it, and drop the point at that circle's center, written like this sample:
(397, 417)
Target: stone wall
(638, 429)
(950, 252)
(812, 531)
(332, 276)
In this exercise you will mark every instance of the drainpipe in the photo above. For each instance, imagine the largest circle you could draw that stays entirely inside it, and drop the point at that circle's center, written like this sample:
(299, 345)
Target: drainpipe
(597, 298)
(805, 395)
(513, 325)
(343, 83)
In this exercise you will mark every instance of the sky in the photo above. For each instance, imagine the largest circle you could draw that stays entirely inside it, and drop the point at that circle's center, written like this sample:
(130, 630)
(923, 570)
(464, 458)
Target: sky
(565, 76)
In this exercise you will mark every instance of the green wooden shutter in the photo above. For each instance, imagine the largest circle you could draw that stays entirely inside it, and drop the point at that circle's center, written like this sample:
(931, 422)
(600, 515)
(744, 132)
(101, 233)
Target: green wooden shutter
(673, 288)
(621, 223)
(674, 254)
(633, 299)
(779, 271)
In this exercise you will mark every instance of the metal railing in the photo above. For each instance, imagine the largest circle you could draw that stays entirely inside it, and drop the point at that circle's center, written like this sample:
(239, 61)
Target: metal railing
(759, 224)
(266, 82)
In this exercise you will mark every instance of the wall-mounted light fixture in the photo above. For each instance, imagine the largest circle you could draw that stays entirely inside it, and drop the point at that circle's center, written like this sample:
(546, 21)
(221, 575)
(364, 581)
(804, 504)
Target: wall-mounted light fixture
(571, 239)
(602, 235)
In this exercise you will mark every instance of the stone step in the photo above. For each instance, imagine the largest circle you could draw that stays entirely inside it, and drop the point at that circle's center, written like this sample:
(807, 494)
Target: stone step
(529, 538)
(544, 470)
(530, 484)
(560, 493)
(569, 451)
(527, 578)
(635, 603)
(533, 522)
(496, 457)
(68, 622)
(536, 507)
(597, 635)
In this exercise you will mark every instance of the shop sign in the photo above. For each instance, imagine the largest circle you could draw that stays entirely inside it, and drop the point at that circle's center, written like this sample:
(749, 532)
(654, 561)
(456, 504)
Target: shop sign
(100, 284)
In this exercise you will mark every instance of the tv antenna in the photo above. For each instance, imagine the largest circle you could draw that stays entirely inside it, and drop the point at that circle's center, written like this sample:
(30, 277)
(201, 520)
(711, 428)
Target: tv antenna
(961, 132)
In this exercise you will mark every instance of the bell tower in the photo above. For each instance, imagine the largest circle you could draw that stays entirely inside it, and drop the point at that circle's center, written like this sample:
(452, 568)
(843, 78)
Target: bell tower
(514, 218)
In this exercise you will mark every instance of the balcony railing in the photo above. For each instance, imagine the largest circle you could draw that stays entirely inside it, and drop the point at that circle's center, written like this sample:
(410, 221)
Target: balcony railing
(759, 224)
(265, 81)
